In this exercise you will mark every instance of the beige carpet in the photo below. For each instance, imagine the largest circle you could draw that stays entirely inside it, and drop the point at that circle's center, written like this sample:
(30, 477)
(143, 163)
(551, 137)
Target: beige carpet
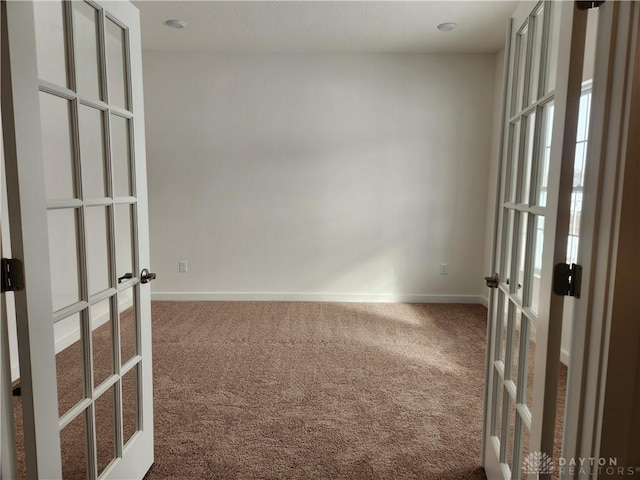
(264, 390)
(318, 391)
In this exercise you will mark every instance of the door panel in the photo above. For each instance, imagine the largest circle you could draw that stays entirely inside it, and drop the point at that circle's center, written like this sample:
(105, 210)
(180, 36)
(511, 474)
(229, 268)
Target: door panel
(523, 345)
(80, 218)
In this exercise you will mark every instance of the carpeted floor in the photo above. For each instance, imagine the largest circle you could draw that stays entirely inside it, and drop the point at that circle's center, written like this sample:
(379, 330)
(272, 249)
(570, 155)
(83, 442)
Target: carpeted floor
(265, 390)
(318, 391)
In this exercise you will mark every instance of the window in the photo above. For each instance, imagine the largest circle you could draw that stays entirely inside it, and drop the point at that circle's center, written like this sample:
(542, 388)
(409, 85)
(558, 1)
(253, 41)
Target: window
(578, 174)
(578, 182)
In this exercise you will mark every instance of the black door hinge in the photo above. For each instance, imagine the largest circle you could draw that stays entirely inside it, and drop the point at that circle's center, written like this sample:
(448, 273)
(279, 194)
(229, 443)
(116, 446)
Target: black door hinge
(589, 5)
(12, 275)
(567, 280)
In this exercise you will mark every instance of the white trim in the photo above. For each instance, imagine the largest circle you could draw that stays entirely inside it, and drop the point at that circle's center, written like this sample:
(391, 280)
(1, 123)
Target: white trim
(610, 151)
(564, 357)
(25, 183)
(315, 297)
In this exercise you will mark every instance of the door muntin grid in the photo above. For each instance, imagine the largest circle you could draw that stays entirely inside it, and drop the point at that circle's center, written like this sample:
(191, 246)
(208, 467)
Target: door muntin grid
(522, 213)
(79, 199)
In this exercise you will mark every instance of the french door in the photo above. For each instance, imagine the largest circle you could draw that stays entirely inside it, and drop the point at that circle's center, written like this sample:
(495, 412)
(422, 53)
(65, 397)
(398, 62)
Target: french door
(545, 55)
(76, 178)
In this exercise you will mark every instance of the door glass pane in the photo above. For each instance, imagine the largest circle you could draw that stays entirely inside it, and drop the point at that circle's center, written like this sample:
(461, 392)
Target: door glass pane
(515, 355)
(121, 156)
(497, 417)
(527, 161)
(504, 333)
(501, 313)
(578, 166)
(55, 118)
(530, 360)
(561, 405)
(507, 245)
(73, 446)
(85, 22)
(92, 153)
(96, 225)
(130, 404)
(512, 165)
(124, 242)
(116, 67)
(544, 154)
(69, 362)
(536, 25)
(553, 42)
(535, 274)
(582, 133)
(102, 341)
(525, 447)
(520, 64)
(50, 42)
(515, 463)
(574, 226)
(65, 285)
(511, 432)
(105, 429)
(521, 253)
(128, 325)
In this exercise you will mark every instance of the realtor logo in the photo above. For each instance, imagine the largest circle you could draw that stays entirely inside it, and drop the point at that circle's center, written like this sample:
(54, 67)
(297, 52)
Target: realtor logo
(537, 462)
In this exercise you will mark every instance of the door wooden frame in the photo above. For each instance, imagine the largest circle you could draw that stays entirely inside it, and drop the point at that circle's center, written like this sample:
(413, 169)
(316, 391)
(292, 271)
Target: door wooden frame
(566, 98)
(604, 337)
(28, 208)
(22, 139)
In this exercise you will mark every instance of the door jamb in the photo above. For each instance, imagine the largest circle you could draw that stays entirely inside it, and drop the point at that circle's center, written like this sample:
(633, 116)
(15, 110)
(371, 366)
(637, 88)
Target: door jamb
(614, 91)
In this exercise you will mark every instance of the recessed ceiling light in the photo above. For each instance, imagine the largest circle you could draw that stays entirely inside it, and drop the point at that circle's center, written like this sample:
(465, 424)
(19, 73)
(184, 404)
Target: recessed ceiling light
(447, 27)
(174, 23)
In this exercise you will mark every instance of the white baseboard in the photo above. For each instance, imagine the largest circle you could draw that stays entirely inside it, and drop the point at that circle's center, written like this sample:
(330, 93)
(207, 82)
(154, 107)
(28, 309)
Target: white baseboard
(315, 297)
(484, 301)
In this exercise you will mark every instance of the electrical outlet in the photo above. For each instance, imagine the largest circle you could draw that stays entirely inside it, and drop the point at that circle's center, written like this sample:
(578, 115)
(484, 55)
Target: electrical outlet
(444, 269)
(182, 266)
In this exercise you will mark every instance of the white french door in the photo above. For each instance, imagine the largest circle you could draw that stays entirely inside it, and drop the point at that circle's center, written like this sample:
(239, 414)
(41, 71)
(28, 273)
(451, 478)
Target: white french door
(545, 56)
(76, 178)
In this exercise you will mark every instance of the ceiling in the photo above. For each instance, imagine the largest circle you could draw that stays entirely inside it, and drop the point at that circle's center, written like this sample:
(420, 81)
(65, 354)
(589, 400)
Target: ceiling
(325, 26)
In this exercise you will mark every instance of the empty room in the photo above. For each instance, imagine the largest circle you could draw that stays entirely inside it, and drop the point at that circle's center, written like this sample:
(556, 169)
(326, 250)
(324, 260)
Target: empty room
(319, 240)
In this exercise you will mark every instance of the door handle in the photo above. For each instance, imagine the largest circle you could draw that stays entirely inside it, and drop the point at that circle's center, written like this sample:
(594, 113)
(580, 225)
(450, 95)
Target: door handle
(519, 284)
(492, 281)
(146, 276)
(126, 276)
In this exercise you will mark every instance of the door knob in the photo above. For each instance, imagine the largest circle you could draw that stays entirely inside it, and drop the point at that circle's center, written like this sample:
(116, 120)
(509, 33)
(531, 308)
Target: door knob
(146, 276)
(492, 281)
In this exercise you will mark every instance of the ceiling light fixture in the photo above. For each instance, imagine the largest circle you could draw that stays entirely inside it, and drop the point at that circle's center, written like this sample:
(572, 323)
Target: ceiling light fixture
(447, 26)
(174, 23)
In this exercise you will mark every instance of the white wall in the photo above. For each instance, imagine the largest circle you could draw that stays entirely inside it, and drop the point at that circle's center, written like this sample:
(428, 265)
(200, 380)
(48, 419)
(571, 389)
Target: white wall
(324, 176)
